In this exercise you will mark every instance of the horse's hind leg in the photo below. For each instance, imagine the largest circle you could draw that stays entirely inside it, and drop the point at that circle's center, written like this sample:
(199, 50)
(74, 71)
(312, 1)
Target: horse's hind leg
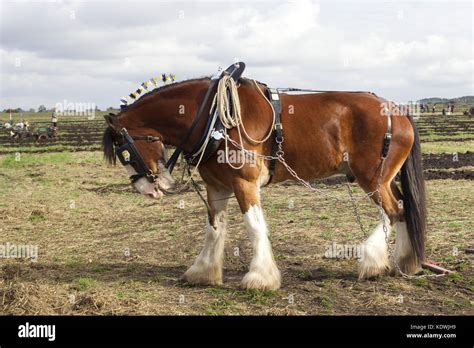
(207, 269)
(404, 258)
(375, 256)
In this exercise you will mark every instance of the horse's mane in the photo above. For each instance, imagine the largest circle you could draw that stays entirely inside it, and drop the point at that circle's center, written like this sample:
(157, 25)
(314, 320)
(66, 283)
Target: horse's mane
(109, 136)
(166, 87)
(161, 89)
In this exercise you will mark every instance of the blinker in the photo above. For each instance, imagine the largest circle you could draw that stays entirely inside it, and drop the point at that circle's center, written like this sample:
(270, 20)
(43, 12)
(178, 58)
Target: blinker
(129, 155)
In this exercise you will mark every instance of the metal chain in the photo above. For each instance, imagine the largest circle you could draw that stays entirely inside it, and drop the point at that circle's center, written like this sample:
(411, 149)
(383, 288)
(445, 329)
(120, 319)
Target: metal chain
(385, 230)
(280, 157)
(355, 208)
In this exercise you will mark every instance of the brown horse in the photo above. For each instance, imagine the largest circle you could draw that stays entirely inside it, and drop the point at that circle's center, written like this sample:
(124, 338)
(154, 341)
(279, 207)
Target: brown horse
(324, 134)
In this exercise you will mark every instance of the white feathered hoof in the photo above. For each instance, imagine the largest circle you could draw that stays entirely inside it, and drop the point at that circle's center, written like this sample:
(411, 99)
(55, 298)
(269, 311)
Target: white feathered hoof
(374, 261)
(408, 265)
(200, 274)
(269, 279)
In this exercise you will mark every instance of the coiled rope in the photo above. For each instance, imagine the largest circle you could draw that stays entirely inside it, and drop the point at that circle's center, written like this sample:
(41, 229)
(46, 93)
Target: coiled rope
(229, 113)
(227, 108)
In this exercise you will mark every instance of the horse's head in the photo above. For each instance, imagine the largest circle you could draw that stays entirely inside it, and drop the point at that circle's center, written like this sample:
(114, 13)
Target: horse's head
(141, 152)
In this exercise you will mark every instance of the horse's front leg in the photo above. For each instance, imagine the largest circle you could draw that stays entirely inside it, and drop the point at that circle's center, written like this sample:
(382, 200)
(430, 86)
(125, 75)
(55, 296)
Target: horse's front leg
(207, 269)
(263, 273)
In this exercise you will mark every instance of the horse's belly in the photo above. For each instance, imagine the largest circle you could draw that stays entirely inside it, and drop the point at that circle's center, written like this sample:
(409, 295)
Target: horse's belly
(310, 164)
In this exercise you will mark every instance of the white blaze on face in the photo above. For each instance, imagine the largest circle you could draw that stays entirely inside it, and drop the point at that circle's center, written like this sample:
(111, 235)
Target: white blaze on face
(143, 186)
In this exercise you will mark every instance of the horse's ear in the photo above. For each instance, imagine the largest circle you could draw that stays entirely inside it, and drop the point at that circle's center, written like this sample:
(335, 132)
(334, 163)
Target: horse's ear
(110, 120)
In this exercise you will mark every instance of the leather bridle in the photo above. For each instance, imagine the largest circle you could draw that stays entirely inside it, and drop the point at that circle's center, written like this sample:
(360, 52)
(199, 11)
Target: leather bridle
(128, 154)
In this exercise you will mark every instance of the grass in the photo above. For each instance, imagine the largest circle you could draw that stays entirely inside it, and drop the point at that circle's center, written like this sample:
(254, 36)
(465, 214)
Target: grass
(50, 147)
(37, 216)
(46, 116)
(323, 217)
(75, 261)
(82, 284)
(327, 235)
(82, 249)
(447, 146)
(260, 297)
(217, 306)
(326, 303)
(22, 160)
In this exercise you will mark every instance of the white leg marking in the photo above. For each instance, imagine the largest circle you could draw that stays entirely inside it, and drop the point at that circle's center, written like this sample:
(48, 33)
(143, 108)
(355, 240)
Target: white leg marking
(207, 269)
(403, 255)
(374, 259)
(263, 273)
(402, 243)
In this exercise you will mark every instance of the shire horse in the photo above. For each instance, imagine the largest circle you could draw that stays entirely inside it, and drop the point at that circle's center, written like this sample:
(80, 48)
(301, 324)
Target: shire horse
(320, 129)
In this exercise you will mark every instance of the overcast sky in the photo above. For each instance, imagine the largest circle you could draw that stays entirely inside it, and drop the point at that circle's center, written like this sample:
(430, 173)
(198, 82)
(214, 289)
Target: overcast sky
(97, 52)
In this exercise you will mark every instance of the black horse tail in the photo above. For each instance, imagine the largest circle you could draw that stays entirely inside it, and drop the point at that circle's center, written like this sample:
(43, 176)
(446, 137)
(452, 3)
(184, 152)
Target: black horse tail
(414, 200)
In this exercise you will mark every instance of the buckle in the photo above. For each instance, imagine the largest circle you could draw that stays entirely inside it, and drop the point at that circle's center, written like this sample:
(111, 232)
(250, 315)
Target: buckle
(274, 94)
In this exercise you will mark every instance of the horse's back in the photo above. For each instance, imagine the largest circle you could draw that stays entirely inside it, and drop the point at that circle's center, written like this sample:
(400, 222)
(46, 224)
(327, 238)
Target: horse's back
(321, 129)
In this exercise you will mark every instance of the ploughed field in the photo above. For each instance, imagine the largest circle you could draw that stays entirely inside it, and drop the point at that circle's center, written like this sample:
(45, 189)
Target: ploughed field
(102, 249)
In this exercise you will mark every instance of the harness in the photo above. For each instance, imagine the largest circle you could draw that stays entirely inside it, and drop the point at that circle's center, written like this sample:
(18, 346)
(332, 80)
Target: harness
(212, 136)
(274, 97)
(388, 135)
(213, 125)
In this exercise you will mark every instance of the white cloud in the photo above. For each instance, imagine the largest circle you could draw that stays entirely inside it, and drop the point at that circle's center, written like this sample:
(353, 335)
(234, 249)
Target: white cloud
(97, 52)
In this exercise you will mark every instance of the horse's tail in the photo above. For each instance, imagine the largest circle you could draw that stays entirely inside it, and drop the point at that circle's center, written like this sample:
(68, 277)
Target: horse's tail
(414, 200)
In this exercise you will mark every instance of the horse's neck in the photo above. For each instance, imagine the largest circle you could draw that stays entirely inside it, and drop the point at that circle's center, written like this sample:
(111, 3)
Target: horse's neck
(172, 113)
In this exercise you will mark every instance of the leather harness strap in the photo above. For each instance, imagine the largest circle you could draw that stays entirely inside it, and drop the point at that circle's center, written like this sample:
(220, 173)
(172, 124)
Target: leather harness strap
(235, 71)
(147, 138)
(201, 112)
(274, 97)
(388, 135)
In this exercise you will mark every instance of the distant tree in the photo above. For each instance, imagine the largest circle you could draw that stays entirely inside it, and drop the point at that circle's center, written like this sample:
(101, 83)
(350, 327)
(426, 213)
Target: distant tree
(42, 108)
(31, 110)
(16, 110)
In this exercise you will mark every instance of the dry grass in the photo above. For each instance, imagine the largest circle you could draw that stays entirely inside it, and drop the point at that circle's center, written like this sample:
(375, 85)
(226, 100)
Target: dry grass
(105, 250)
